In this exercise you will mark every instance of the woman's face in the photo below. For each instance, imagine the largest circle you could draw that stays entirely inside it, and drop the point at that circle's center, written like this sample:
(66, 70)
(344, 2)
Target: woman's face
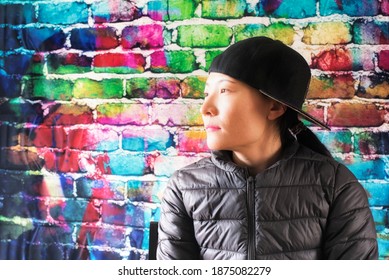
(236, 116)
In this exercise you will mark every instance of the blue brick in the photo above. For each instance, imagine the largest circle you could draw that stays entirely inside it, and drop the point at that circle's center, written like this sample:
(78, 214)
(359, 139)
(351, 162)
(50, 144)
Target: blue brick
(128, 214)
(10, 86)
(17, 14)
(95, 254)
(380, 217)
(104, 11)
(21, 206)
(73, 210)
(42, 39)
(336, 141)
(10, 39)
(147, 140)
(63, 13)
(17, 63)
(378, 193)
(288, 8)
(105, 189)
(136, 238)
(367, 169)
(146, 191)
(126, 164)
(90, 39)
(383, 245)
(349, 7)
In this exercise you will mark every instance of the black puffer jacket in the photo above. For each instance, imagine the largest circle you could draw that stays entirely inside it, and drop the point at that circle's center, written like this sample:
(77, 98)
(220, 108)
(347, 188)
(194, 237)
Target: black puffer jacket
(306, 206)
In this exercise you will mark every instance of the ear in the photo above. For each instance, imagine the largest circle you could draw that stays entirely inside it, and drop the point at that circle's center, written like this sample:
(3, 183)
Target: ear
(276, 110)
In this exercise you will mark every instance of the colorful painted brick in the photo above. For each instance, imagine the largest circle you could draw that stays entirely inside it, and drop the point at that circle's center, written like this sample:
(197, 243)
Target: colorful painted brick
(208, 36)
(121, 63)
(332, 86)
(336, 141)
(278, 31)
(42, 136)
(21, 159)
(158, 10)
(92, 235)
(16, 63)
(371, 32)
(106, 89)
(144, 36)
(90, 139)
(17, 13)
(42, 39)
(365, 169)
(193, 87)
(181, 10)
(90, 39)
(114, 11)
(167, 165)
(122, 113)
(146, 140)
(173, 61)
(338, 59)
(128, 214)
(11, 34)
(63, 13)
(68, 114)
(73, 210)
(209, 57)
(166, 88)
(367, 143)
(48, 89)
(68, 63)
(147, 191)
(224, 9)
(288, 8)
(177, 114)
(351, 8)
(126, 164)
(10, 86)
(62, 161)
(100, 188)
(21, 111)
(374, 86)
(383, 60)
(385, 7)
(355, 114)
(194, 141)
(324, 33)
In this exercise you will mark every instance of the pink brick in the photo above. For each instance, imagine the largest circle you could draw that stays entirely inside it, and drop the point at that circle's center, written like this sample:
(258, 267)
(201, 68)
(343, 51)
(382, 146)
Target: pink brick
(177, 114)
(120, 114)
(192, 141)
(94, 139)
(383, 60)
(143, 36)
(130, 60)
(385, 7)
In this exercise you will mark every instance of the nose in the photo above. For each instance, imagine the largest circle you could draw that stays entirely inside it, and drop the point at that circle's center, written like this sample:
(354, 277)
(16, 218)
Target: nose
(208, 107)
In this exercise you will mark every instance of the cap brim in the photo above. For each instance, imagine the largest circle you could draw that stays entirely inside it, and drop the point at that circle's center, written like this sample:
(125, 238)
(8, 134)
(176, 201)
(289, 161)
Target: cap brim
(300, 112)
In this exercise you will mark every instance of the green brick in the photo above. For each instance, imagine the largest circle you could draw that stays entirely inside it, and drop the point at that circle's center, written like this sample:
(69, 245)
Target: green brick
(87, 88)
(223, 9)
(173, 62)
(279, 31)
(137, 87)
(209, 57)
(204, 36)
(193, 87)
(50, 89)
(181, 9)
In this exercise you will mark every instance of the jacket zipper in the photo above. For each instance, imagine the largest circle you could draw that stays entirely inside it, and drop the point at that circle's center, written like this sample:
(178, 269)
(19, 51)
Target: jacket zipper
(251, 217)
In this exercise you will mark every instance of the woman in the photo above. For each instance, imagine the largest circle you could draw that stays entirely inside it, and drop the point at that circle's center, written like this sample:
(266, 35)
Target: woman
(270, 189)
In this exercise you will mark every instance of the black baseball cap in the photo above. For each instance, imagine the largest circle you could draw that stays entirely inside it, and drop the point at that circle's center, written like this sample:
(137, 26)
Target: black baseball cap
(275, 69)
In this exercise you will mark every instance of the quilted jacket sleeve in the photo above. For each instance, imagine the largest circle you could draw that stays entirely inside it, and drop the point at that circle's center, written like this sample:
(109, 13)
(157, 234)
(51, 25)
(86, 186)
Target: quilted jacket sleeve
(350, 232)
(176, 239)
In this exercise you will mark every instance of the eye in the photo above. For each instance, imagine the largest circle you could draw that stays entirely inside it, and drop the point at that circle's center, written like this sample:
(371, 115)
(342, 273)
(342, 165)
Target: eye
(223, 90)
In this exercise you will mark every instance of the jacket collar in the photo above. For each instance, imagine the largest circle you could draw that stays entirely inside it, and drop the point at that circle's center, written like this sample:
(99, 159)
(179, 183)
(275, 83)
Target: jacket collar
(223, 158)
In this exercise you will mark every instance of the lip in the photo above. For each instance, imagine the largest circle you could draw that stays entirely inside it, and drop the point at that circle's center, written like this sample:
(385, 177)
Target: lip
(211, 128)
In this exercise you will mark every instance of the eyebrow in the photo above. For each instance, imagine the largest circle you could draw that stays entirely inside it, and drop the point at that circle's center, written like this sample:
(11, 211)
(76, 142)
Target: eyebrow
(223, 80)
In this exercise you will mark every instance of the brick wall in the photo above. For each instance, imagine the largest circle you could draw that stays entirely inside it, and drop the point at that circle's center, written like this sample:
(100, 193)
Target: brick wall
(99, 104)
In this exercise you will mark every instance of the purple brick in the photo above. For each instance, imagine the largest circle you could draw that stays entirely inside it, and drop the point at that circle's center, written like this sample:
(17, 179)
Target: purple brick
(17, 14)
(143, 36)
(371, 32)
(42, 39)
(167, 88)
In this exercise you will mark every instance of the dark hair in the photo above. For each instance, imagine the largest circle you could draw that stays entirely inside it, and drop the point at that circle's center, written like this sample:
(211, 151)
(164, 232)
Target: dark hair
(305, 137)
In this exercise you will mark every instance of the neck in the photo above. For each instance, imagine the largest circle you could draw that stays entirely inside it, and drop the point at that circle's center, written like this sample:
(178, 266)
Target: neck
(258, 158)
